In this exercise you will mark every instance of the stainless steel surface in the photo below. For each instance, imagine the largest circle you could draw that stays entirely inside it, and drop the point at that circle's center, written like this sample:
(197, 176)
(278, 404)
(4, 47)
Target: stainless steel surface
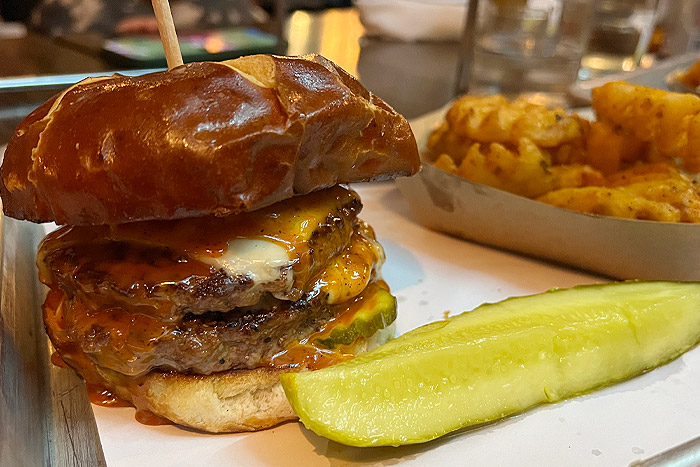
(56, 82)
(684, 455)
(45, 414)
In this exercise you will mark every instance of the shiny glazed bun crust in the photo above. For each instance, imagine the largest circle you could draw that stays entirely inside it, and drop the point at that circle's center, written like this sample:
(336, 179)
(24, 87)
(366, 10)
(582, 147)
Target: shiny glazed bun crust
(204, 138)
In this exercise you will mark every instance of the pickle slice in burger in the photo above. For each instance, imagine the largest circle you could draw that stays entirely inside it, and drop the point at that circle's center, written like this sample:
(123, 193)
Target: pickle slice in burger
(375, 310)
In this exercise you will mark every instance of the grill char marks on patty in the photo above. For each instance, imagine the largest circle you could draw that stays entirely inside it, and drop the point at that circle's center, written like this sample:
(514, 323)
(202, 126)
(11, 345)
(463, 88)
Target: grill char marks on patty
(201, 344)
(168, 269)
(166, 286)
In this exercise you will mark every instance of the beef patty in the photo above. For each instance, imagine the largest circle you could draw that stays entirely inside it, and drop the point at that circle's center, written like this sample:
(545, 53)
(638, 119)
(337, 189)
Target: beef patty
(201, 344)
(168, 269)
(123, 339)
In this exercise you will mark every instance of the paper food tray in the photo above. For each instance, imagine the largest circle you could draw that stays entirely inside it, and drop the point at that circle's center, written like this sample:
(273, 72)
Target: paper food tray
(619, 248)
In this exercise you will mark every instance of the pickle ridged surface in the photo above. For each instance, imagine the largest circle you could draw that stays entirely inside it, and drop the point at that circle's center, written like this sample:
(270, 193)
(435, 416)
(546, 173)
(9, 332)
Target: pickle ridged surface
(497, 360)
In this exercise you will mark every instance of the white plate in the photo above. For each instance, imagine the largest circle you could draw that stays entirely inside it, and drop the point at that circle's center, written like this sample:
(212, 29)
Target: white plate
(432, 274)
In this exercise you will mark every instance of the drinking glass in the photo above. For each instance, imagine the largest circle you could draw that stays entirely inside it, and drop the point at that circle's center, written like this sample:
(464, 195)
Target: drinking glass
(523, 46)
(620, 35)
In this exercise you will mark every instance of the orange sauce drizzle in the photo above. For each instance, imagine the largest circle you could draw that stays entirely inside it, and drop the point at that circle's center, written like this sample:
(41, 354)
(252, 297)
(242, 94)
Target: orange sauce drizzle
(104, 397)
(354, 306)
(210, 235)
(146, 417)
(306, 354)
(99, 395)
(58, 361)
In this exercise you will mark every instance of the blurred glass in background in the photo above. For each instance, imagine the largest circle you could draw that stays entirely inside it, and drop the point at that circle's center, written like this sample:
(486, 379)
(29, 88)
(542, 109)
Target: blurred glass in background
(621, 33)
(529, 46)
(690, 20)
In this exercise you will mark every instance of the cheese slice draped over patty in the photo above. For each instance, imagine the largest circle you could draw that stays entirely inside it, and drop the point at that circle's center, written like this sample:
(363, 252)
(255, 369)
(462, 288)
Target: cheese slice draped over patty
(166, 269)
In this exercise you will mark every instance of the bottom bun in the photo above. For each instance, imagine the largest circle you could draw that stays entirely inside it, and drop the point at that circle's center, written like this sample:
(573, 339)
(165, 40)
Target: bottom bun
(232, 401)
(227, 402)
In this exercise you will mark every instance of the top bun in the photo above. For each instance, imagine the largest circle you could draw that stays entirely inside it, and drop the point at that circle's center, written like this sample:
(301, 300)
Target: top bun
(203, 138)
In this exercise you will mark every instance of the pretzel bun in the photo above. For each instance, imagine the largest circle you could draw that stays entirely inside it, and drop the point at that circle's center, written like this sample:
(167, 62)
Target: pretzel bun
(203, 138)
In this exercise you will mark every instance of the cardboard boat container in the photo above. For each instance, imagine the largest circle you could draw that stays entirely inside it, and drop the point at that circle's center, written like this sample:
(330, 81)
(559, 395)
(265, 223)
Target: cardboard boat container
(617, 248)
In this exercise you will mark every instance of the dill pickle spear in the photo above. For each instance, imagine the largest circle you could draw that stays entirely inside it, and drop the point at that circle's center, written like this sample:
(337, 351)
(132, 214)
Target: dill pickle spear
(497, 360)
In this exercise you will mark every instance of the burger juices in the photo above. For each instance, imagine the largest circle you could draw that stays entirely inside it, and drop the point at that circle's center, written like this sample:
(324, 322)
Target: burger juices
(206, 245)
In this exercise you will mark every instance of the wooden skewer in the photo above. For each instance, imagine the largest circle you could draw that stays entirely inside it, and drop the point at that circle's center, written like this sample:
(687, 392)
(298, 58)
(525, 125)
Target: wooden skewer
(166, 28)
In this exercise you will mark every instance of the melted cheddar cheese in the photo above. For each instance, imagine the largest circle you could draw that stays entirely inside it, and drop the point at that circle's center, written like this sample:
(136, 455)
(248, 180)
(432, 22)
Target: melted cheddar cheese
(280, 249)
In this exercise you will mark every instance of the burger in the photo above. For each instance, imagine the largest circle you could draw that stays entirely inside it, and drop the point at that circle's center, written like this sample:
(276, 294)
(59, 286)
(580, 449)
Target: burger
(207, 242)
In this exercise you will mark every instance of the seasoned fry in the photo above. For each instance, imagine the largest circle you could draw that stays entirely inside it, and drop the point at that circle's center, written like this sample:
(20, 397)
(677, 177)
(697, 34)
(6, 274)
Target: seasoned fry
(691, 77)
(492, 119)
(669, 121)
(645, 173)
(664, 184)
(656, 192)
(624, 165)
(552, 136)
(610, 149)
(610, 202)
(576, 175)
(525, 171)
(444, 141)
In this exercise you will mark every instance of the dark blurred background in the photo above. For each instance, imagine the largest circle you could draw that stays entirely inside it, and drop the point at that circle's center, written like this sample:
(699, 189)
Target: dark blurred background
(37, 14)
(16, 10)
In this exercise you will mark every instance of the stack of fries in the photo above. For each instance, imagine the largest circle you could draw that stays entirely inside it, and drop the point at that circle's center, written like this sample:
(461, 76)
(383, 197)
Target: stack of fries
(635, 161)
